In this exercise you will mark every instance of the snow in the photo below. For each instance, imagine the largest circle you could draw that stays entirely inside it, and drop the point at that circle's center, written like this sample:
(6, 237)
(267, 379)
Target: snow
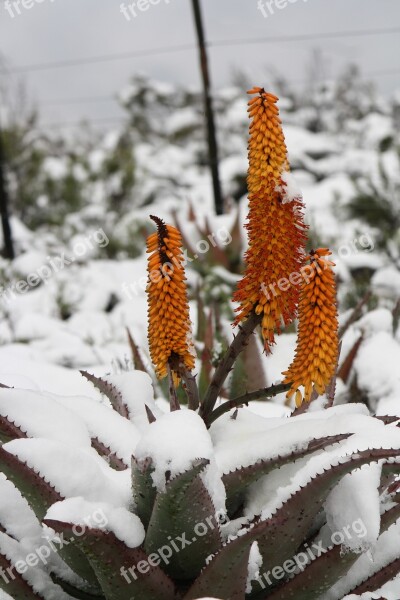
(385, 551)
(163, 443)
(37, 578)
(56, 462)
(137, 391)
(356, 499)
(38, 415)
(290, 188)
(376, 366)
(126, 526)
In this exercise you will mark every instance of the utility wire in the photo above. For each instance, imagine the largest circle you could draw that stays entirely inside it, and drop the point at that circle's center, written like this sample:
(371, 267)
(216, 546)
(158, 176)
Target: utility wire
(113, 98)
(184, 47)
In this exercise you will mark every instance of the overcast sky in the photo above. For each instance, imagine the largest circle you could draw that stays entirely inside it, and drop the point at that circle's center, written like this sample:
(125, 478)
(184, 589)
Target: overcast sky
(57, 30)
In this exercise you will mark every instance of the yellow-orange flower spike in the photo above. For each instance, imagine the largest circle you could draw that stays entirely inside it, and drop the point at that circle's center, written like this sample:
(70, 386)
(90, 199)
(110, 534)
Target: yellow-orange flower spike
(276, 228)
(169, 330)
(317, 339)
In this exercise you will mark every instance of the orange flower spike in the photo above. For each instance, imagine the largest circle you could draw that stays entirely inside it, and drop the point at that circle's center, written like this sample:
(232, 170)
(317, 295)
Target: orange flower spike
(169, 329)
(317, 339)
(276, 229)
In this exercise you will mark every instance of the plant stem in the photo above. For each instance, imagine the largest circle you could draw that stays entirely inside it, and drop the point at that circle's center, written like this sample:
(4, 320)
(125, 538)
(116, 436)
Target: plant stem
(189, 382)
(269, 392)
(224, 367)
(355, 315)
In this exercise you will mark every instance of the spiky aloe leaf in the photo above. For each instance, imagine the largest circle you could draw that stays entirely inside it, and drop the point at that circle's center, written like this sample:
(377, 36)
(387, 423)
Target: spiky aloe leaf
(16, 586)
(300, 510)
(105, 452)
(143, 489)
(9, 431)
(318, 577)
(329, 565)
(39, 494)
(123, 573)
(75, 592)
(236, 482)
(225, 576)
(177, 514)
(109, 390)
(378, 579)
(136, 357)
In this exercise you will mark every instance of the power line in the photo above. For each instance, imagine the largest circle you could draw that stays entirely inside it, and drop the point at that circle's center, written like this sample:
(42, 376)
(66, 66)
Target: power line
(78, 100)
(184, 47)
(83, 120)
(111, 98)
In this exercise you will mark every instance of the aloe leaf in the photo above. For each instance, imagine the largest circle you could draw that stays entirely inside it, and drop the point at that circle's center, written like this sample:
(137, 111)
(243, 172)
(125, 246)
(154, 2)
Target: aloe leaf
(299, 511)
(136, 357)
(110, 391)
(143, 489)
(312, 582)
(16, 586)
(226, 573)
(39, 494)
(123, 573)
(323, 572)
(9, 431)
(174, 524)
(109, 456)
(225, 576)
(75, 592)
(236, 482)
(378, 579)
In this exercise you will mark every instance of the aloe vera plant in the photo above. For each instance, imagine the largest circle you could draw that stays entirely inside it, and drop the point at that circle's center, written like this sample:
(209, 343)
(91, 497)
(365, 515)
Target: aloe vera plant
(111, 497)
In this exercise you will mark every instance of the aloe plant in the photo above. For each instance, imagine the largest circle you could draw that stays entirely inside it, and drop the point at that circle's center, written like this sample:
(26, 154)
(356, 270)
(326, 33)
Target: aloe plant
(191, 547)
(115, 498)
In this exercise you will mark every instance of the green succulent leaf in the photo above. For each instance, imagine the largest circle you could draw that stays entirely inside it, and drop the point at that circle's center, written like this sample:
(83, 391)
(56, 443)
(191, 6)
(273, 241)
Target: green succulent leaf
(16, 586)
(325, 570)
(378, 579)
(110, 391)
(123, 573)
(225, 576)
(236, 482)
(110, 457)
(143, 489)
(75, 592)
(39, 494)
(178, 511)
(296, 515)
(9, 431)
(311, 583)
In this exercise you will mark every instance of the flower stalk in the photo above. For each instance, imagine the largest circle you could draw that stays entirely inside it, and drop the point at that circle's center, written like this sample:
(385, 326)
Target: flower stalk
(275, 226)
